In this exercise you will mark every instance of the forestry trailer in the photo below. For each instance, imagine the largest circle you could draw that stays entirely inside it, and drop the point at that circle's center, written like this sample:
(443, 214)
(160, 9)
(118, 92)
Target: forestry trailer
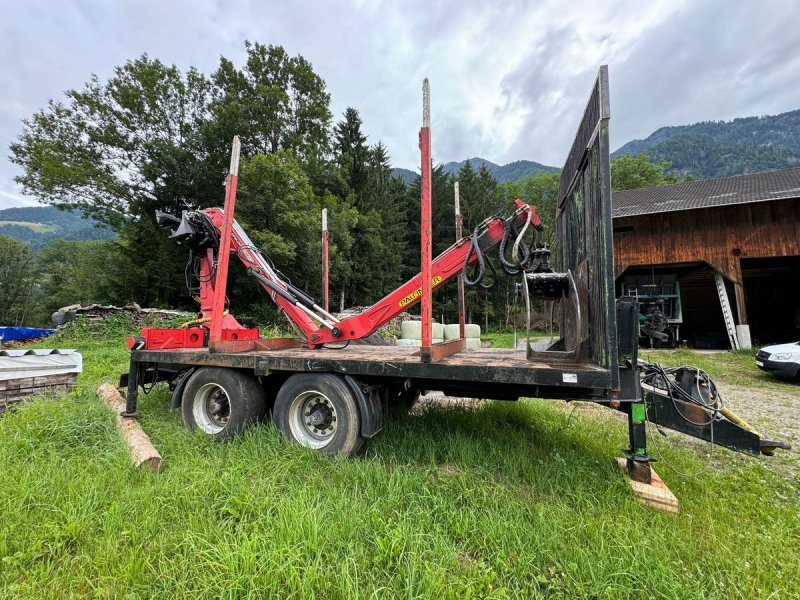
(330, 393)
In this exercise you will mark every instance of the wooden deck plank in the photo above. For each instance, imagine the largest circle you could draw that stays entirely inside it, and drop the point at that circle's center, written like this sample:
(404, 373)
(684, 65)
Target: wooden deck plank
(504, 370)
(493, 357)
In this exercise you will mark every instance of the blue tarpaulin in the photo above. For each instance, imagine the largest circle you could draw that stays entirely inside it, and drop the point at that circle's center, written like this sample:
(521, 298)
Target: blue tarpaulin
(23, 333)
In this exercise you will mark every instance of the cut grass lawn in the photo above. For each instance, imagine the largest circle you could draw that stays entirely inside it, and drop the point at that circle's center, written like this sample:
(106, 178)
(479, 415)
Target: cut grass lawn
(508, 500)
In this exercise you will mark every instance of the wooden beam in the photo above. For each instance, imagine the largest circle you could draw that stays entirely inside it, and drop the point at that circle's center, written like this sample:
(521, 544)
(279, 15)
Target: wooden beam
(738, 285)
(248, 345)
(655, 494)
(436, 352)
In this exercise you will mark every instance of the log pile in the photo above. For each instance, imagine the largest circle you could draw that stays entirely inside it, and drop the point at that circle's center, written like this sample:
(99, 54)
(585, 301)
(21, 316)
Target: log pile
(98, 312)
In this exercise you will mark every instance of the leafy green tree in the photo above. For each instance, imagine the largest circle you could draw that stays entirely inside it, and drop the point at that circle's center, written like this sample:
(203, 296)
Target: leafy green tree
(17, 274)
(120, 149)
(631, 172)
(276, 102)
(281, 214)
(152, 138)
(77, 272)
(541, 191)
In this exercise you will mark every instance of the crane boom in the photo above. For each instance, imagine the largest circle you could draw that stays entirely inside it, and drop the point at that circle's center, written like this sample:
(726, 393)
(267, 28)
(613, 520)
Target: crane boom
(202, 230)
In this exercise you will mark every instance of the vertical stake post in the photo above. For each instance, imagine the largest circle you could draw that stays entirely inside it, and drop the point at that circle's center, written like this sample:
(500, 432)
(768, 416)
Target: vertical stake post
(425, 221)
(462, 304)
(325, 237)
(223, 257)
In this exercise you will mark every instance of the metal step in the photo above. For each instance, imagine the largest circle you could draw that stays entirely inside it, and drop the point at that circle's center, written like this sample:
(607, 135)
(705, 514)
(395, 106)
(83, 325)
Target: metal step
(727, 314)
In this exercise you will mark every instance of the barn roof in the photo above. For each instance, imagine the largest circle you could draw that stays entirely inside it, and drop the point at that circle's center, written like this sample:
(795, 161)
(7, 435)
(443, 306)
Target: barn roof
(742, 189)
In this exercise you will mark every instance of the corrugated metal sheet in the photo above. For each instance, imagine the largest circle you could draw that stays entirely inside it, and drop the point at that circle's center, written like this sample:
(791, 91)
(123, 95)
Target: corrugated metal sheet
(743, 189)
(21, 364)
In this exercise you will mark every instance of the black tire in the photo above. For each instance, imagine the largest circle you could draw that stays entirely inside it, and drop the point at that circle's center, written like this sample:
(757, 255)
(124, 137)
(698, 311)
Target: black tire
(319, 411)
(222, 402)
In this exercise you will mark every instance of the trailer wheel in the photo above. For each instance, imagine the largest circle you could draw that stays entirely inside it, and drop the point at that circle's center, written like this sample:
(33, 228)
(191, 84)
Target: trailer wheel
(319, 411)
(221, 402)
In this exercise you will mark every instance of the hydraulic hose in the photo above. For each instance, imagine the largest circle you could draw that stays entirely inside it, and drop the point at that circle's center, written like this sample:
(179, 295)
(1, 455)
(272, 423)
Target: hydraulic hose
(481, 263)
(521, 255)
(518, 242)
(508, 267)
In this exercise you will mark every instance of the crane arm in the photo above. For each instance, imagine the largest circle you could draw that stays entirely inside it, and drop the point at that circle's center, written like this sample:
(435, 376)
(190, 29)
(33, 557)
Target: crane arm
(200, 230)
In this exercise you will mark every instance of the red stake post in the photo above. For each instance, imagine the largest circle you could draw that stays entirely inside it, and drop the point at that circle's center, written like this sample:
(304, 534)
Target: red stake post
(425, 221)
(220, 283)
(325, 237)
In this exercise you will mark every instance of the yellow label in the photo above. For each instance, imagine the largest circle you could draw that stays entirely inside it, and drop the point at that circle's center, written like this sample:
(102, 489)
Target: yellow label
(418, 292)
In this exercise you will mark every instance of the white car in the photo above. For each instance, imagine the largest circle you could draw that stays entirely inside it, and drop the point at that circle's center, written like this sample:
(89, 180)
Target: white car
(782, 360)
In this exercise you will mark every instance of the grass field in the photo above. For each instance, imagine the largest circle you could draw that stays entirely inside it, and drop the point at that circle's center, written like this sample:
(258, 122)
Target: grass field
(506, 500)
(37, 227)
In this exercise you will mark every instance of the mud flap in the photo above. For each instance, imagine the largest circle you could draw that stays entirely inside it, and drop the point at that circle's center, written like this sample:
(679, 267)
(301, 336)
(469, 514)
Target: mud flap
(369, 405)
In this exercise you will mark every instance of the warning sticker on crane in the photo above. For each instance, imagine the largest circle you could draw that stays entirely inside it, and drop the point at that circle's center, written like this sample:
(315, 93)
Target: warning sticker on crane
(413, 296)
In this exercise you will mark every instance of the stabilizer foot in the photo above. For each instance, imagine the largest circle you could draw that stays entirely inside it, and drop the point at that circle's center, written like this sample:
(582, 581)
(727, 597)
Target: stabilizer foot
(655, 494)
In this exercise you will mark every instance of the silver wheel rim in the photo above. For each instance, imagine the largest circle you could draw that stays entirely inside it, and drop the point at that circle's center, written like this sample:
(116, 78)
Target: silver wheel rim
(312, 419)
(211, 408)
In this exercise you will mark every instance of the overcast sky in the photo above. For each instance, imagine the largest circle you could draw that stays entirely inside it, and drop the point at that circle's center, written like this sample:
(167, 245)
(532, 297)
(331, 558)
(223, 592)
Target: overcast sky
(508, 79)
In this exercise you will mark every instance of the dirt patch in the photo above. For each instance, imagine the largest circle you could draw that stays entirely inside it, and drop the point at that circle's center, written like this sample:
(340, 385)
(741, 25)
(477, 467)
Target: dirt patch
(432, 399)
(775, 412)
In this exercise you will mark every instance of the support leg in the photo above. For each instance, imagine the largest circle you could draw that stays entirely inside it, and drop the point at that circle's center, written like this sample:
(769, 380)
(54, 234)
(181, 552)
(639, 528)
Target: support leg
(133, 389)
(638, 461)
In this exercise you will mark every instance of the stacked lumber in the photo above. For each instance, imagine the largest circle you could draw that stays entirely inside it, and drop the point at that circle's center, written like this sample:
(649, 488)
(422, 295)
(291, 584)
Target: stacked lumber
(17, 390)
(26, 373)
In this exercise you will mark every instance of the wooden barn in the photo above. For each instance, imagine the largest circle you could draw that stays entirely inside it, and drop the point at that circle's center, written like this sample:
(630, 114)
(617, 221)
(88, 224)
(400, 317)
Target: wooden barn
(720, 258)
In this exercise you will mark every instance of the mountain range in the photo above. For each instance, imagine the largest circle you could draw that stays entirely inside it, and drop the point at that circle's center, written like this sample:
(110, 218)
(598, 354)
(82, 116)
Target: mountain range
(712, 149)
(705, 150)
(502, 173)
(39, 225)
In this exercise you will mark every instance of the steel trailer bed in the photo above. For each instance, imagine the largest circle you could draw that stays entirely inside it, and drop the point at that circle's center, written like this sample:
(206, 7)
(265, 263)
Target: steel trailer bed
(476, 373)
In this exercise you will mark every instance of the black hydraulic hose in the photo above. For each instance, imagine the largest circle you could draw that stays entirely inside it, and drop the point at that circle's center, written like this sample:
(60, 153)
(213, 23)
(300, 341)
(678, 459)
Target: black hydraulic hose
(510, 227)
(480, 270)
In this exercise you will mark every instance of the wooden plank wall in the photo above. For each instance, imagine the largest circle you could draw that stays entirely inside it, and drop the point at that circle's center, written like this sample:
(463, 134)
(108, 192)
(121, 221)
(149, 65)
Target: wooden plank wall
(718, 236)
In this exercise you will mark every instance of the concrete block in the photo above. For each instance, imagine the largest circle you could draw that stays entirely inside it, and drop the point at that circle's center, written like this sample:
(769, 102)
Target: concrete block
(743, 333)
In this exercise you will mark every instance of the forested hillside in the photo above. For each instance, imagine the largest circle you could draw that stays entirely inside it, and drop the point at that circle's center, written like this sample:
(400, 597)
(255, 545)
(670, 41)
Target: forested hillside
(37, 226)
(724, 148)
(503, 173)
